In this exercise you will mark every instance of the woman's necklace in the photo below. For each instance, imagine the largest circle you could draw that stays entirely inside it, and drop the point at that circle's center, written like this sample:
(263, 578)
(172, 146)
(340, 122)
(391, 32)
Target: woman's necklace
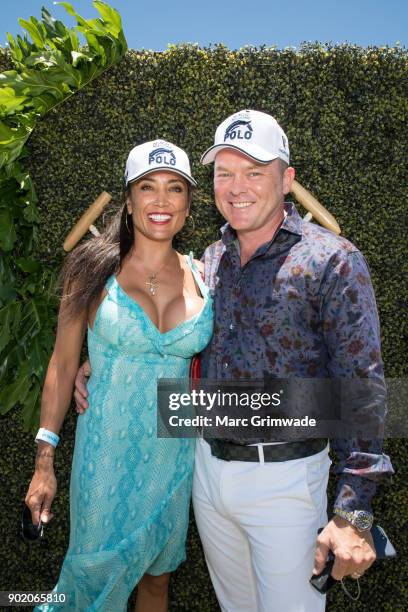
(152, 281)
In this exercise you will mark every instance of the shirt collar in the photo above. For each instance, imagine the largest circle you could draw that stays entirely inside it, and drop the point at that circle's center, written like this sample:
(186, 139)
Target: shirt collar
(292, 223)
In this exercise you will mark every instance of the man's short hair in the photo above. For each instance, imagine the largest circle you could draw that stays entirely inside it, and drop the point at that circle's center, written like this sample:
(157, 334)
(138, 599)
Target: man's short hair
(283, 165)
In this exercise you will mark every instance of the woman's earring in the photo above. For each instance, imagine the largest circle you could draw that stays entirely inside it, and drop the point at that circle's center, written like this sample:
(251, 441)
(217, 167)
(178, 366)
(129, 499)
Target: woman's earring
(126, 222)
(191, 229)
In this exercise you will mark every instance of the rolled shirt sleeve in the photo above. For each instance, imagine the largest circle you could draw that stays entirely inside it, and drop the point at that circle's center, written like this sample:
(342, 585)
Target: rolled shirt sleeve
(352, 335)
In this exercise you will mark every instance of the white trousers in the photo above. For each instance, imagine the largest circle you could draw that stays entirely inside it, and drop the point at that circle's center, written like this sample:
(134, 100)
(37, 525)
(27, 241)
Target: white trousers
(258, 525)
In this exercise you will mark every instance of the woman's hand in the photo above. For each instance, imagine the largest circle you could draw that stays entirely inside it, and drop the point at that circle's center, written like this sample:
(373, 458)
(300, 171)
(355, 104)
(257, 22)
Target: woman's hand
(42, 489)
(81, 392)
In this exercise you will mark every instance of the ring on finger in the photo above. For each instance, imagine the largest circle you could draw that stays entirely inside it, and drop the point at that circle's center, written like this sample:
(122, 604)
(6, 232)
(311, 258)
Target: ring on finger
(356, 575)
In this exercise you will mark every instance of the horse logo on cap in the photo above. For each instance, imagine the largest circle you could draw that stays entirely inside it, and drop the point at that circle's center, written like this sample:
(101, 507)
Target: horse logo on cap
(240, 130)
(162, 156)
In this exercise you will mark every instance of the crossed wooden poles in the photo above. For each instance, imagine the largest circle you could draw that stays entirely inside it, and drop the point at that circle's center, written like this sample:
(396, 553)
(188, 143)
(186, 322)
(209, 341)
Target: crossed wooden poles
(302, 195)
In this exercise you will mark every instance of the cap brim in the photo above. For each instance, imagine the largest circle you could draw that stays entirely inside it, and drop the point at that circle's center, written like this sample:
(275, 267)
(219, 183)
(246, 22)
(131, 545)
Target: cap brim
(254, 152)
(175, 171)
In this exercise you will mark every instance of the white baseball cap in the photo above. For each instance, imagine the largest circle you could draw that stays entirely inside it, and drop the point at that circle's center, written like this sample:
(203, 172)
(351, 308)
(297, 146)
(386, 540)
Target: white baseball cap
(256, 134)
(157, 155)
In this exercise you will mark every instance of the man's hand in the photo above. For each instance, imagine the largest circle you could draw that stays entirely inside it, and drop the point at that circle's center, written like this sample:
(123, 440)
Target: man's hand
(81, 392)
(354, 550)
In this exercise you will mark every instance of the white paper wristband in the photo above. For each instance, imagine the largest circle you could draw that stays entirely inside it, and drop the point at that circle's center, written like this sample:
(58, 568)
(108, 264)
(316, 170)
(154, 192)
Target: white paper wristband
(47, 436)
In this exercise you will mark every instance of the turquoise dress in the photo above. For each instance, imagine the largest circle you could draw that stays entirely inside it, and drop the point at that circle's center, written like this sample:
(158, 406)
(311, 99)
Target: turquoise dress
(130, 491)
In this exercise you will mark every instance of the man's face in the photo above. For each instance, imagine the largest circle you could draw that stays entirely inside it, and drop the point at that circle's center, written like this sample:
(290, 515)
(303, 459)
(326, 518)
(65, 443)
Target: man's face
(250, 195)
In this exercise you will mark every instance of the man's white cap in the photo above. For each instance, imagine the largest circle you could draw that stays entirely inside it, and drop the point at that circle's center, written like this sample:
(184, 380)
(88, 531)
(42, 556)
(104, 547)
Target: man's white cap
(256, 134)
(157, 155)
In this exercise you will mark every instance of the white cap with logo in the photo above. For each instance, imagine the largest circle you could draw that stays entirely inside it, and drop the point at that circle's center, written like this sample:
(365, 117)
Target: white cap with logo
(157, 155)
(256, 134)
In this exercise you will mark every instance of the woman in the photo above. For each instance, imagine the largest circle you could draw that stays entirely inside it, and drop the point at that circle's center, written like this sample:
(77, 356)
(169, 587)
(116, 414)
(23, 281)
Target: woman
(148, 312)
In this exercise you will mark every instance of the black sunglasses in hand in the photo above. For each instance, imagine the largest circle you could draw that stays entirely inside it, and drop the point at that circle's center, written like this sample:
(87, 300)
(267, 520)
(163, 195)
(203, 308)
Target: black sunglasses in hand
(29, 531)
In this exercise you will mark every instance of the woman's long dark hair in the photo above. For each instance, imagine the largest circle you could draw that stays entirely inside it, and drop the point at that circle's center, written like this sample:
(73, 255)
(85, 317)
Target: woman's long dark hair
(87, 268)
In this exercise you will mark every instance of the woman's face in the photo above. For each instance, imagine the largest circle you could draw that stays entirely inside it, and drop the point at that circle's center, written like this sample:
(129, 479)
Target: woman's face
(159, 204)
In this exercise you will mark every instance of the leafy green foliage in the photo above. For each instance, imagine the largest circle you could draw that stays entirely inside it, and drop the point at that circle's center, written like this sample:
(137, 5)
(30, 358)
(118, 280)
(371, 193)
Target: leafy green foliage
(49, 68)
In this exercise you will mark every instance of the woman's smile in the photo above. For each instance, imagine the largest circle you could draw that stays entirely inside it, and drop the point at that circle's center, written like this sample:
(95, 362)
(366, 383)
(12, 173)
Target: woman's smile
(159, 218)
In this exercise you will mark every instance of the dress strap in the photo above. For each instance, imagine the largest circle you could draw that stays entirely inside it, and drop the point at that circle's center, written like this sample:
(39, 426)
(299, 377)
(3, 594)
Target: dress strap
(110, 282)
(197, 276)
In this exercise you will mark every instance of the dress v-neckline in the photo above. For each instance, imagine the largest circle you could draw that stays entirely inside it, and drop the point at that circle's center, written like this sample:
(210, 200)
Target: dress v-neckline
(148, 319)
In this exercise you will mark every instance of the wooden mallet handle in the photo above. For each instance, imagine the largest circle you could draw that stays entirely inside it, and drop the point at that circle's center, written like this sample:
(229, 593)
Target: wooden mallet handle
(318, 211)
(303, 196)
(82, 226)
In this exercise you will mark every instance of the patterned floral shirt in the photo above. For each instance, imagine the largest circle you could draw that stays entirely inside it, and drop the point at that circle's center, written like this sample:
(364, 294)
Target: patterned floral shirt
(302, 306)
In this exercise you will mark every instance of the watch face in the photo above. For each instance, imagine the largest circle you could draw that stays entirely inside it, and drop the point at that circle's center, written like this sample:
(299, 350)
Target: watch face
(363, 520)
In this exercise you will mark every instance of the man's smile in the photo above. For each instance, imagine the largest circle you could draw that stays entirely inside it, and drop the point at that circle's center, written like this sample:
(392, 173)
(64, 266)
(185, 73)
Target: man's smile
(241, 204)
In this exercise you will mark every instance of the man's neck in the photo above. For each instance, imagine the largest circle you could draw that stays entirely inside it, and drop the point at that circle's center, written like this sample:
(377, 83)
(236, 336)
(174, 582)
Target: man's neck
(249, 242)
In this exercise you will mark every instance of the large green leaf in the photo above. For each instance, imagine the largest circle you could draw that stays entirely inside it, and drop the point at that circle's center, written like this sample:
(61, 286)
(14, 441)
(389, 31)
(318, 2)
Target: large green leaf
(30, 413)
(9, 134)
(111, 17)
(7, 281)
(16, 51)
(8, 234)
(8, 194)
(12, 150)
(71, 11)
(30, 212)
(5, 325)
(10, 317)
(37, 358)
(20, 48)
(7, 292)
(28, 265)
(10, 102)
(60, 69)
(35, 83)
(43, 103)
(17, 391)
(54, 28)
(43, 59)
(109, 27)
(77, 56)
(13, 138)
(73, 36)
(30, 320)
(16, 317)
(93, 44)
(36, 30)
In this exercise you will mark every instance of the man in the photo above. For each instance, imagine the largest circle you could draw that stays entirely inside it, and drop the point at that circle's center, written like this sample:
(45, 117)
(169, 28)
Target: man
(291, 300)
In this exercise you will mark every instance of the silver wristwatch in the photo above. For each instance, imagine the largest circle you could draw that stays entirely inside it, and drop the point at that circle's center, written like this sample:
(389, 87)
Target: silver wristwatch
(360, 519)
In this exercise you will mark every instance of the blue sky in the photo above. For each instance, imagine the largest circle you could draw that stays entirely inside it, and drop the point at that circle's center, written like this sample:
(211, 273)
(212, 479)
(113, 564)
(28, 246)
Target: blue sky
(153, 24)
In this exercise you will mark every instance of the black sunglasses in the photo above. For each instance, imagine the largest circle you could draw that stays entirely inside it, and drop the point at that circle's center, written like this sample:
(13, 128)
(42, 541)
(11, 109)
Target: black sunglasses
(29, 531)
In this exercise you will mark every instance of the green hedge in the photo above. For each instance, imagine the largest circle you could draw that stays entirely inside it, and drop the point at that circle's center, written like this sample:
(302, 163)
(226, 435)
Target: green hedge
(344, 109)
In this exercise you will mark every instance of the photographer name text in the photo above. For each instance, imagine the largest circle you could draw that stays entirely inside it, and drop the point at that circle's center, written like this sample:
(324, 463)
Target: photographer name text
(254, 421)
